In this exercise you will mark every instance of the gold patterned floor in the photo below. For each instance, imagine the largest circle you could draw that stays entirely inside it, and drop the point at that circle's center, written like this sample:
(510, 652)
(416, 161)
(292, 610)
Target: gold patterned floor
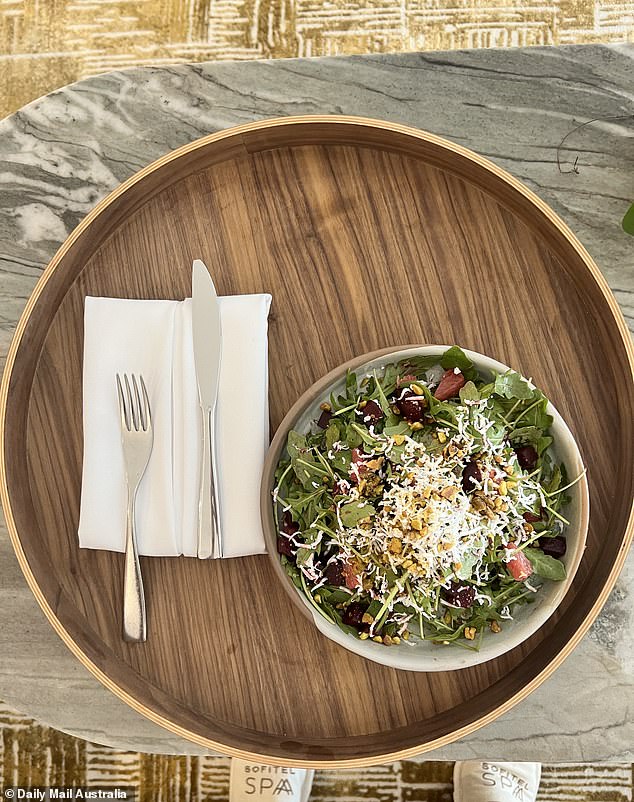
(45, 44)
(34, 755)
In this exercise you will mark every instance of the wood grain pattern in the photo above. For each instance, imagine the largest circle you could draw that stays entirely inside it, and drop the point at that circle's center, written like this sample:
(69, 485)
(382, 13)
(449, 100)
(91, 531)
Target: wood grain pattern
(368, 235)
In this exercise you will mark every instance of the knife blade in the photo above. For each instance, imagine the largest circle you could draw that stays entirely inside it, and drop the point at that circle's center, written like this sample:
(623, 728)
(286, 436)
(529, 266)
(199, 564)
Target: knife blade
(207, 339)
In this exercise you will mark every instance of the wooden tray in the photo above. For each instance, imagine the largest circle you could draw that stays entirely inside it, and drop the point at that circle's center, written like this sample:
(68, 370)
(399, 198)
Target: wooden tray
(367, 234)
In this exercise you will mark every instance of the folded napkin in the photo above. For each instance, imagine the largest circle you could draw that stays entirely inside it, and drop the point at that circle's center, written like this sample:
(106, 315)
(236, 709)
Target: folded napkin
(154, 339)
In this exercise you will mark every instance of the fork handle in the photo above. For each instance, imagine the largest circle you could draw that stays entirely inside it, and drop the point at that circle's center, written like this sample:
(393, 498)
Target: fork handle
(134, 622)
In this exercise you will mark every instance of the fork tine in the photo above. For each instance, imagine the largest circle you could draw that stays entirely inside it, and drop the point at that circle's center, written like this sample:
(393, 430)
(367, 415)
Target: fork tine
(130, 400)
(146, 405)
(123, 409)
(138, 405)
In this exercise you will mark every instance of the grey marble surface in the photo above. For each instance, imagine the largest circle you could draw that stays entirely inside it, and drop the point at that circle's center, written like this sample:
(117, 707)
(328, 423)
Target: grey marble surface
(62, 153)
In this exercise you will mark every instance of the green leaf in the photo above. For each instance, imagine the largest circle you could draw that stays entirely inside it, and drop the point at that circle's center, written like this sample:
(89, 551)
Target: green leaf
(351, 384)
(355, 511)
(338, 596)
(381, 396)
(402, 427)
(455, 357)
(341, 462)
(397, 454)
(555, 480)
(391, 419)
(536, 415)
(390, 375)
(349, 630)
(391, 577)
(525, 434)
(628, 221)
(545, 566)
(374, 608)
(466, 567)
(487, 389)
(365, 436)
(496, 434)
(292, 572)
(469, 392)
(417, 365)
(332, 435)
(353, 438)
(295, 443)
(303, 463)
(542, 444)
(512, 385)
(303, 555)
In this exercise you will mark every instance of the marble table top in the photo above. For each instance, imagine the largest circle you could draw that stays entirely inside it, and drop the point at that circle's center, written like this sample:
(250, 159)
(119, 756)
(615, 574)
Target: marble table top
(62, 153)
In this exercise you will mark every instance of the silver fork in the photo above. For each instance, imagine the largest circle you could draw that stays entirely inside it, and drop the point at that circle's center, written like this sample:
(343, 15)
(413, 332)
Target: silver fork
(137, 438)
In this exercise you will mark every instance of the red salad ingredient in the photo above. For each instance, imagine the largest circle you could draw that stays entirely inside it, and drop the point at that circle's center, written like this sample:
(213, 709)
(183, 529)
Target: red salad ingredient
(449, 385)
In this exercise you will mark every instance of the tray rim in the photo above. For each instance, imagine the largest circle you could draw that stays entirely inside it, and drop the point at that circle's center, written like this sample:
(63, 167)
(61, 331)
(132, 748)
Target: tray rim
(87, 221)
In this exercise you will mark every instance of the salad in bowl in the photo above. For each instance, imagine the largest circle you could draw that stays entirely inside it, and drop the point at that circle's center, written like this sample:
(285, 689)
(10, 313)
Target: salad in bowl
(425, 501)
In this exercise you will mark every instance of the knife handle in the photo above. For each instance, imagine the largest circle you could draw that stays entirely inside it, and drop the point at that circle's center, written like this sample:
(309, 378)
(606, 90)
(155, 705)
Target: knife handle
(209, 539)
(205, 515)
(216, 545)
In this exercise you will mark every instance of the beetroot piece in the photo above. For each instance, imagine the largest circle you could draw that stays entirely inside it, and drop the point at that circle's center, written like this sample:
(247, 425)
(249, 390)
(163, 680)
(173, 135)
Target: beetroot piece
(411, 406)
(408, 378)
(527, 457)
(449, 385)
(459, 595)
(334, 574)
(284, 547)
(470, 475)
(531, 518)
(324, 419)
(353, 614)
(358, 468)
(351, 574)
(341, 487)
(553, 546)
(288, 526)
(371, 413)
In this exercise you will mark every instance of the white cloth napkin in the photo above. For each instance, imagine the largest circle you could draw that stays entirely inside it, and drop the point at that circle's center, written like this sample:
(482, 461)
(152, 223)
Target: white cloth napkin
(154, 339)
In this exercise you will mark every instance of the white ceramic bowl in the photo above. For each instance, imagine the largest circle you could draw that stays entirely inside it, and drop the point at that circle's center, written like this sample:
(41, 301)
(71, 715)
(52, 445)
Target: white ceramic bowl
(423, 656)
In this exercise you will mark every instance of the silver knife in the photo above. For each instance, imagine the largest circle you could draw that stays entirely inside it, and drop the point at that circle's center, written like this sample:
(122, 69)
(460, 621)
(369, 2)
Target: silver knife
(207, 337)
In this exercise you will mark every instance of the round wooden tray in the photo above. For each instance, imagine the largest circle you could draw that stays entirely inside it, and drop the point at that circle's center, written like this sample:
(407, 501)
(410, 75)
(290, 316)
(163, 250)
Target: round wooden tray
(367, 234)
